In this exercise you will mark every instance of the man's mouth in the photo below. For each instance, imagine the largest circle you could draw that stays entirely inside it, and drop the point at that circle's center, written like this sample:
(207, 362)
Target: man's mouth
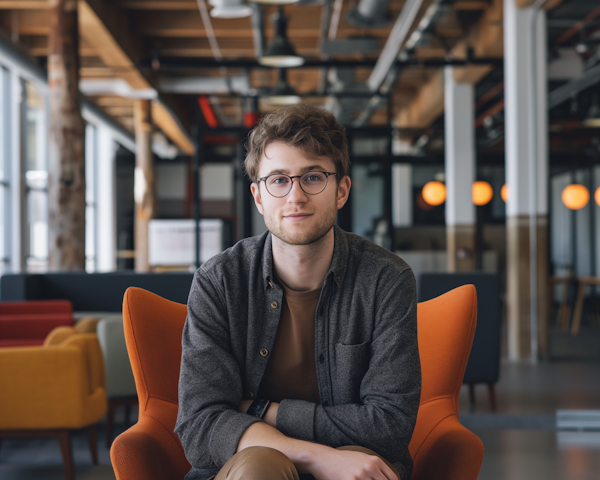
(297, 216)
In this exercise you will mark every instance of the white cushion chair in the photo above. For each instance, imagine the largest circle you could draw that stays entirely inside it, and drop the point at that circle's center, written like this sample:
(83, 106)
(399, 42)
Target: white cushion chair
(120, 384)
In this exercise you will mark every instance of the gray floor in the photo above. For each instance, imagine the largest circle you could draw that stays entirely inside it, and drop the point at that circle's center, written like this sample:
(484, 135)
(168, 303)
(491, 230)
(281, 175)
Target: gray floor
(520, 440)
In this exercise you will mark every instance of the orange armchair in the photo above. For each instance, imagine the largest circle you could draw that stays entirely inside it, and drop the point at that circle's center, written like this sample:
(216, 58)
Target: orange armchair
(441, 447)
(50, 390)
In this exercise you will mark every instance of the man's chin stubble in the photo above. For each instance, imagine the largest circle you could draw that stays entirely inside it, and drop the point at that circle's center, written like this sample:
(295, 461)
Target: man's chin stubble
(309, 238)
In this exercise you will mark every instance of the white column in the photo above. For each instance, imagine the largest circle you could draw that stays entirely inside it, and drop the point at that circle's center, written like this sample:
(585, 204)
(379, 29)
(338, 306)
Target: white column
(518, 61)
(459, 139)
(525, 88)
(18, 220)
(106, 201)
(402, 195)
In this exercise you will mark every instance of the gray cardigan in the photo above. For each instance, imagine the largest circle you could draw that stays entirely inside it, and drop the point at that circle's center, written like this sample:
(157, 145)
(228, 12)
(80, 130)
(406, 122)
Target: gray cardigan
(366, 352)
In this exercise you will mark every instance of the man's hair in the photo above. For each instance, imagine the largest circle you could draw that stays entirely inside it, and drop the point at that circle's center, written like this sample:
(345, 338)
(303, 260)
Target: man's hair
(313, 130)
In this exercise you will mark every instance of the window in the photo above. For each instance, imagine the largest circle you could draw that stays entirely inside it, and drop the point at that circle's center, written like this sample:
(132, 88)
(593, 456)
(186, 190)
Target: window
(36, 179)
(91, 151)
(4, 170)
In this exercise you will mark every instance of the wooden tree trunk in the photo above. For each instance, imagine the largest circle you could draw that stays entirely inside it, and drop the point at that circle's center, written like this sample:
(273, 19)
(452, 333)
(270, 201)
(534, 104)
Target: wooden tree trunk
(144, 183)
(66, 143)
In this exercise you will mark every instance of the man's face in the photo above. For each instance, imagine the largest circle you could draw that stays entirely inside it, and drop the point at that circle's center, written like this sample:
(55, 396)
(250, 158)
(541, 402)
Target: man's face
(298, 218)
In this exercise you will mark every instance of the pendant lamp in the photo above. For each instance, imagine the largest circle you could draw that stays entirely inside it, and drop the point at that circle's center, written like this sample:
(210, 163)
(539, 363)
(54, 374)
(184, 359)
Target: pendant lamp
(280, 52)
(283, 93)
(230, 9)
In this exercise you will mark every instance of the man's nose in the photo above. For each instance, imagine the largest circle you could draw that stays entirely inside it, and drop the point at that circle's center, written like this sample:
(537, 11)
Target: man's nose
(296, 193)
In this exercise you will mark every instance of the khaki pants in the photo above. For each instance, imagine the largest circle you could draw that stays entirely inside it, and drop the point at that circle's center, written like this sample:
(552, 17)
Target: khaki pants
(264, 463)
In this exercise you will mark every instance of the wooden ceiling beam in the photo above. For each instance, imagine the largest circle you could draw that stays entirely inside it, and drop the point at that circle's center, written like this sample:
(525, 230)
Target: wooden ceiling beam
(486, 38)
(24, 4)
(107, 29)
(549, 5)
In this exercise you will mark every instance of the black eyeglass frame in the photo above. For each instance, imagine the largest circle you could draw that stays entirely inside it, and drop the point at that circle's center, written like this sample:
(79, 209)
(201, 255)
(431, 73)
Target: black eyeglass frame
(299, 177)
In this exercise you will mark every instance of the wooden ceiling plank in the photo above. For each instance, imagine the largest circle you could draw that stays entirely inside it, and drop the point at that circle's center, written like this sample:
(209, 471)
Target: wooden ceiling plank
(105, 28)
(24, 4)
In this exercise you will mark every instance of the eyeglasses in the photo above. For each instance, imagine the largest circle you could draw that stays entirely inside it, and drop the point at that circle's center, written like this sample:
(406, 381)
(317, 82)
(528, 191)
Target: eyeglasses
(312, 183)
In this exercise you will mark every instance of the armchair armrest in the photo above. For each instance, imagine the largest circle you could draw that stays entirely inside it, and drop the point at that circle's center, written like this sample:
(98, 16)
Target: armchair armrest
(147, 450)
(47, 387)
(451, 451)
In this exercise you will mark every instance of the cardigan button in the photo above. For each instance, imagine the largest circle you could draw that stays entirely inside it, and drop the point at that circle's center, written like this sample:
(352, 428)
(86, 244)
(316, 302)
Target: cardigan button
(273, 304)
(264, 352)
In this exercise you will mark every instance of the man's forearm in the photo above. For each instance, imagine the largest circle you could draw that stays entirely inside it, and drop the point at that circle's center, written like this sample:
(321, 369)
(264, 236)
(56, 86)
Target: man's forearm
(300, 452)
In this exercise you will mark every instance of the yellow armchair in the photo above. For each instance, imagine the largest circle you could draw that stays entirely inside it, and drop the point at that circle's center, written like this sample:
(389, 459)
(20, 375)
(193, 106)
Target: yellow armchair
(53, 389)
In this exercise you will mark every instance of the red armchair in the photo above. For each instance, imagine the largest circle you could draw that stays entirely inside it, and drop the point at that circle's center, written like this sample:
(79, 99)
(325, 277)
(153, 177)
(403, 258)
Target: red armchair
(29, 323)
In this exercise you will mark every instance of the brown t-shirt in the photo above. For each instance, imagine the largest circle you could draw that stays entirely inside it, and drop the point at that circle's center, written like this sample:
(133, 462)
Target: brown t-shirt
(291, 372)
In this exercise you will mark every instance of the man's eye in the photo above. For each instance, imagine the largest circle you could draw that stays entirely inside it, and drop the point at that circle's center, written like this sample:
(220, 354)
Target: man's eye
(313, 178)
(280, 180)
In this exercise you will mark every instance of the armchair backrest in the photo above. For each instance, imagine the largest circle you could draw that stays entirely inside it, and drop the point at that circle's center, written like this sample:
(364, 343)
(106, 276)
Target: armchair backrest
(446, 326)
(153, 327)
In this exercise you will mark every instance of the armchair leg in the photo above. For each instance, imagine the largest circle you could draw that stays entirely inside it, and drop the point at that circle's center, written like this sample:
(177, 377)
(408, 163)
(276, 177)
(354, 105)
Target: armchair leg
(64, 437)
(492, 395)
(472, 397)
(91, 434)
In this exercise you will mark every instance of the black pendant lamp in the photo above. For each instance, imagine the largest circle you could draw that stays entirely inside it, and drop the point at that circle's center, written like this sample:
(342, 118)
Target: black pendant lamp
(283, 93)
(280, 52)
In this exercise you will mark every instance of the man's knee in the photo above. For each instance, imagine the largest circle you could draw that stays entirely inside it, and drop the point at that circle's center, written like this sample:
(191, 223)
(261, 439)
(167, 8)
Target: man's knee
(258, 463)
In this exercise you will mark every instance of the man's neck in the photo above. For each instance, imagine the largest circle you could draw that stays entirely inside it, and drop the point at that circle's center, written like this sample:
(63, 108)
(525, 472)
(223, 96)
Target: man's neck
(303, 267)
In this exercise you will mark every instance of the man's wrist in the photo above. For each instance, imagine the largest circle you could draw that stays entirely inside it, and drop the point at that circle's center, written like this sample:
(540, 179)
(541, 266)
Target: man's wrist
(258, 408)
(270, 418)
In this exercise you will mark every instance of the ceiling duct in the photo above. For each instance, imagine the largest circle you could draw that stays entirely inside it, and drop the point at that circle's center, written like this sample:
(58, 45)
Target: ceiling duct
(370, 14)
(343, 80)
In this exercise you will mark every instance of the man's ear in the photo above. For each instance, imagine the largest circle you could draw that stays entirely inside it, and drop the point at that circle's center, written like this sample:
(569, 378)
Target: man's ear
(343, 191)
(254, 188)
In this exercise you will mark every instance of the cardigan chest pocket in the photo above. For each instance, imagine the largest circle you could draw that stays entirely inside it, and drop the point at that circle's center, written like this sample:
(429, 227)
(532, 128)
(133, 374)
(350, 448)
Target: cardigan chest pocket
(351, 363)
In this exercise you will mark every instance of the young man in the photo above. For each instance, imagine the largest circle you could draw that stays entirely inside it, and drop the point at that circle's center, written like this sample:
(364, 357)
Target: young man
(300, 354)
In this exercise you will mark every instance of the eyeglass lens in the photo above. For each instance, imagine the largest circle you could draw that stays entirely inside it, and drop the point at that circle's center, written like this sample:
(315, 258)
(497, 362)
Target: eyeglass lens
(311, 183)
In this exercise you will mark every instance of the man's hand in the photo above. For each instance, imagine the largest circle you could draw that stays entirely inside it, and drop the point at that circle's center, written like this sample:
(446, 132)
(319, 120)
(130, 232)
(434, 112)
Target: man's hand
(332, 464)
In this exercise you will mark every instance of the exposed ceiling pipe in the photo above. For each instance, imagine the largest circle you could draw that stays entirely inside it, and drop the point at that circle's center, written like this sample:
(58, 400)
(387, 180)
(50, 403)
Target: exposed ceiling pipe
(335, 19)
(564, 92)
(394, 43)
(204, 85)
(370, 14)
(384, 74)
(325, 19)
(258, 30)
(210, 33)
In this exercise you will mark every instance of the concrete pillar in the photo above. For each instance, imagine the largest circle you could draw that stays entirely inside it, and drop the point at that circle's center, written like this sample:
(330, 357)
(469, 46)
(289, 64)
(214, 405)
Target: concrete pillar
(402, 195)
(527, 179)
(106, 201)
(144, 183)
(459, 138)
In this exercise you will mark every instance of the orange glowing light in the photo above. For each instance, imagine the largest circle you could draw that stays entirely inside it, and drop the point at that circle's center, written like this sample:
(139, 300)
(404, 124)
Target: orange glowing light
(597, 196)
(504, 192)
(482, 193)
(434, 193)
(575, 196)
